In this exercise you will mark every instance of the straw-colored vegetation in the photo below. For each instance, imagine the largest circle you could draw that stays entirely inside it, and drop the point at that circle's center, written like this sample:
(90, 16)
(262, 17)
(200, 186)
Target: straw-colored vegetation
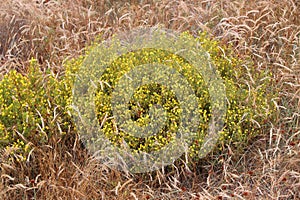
(42, 157)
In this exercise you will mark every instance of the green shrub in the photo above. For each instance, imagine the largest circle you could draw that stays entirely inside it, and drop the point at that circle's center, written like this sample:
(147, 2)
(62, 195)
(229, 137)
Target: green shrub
(248, 97)
(32, 109)
(35, 106)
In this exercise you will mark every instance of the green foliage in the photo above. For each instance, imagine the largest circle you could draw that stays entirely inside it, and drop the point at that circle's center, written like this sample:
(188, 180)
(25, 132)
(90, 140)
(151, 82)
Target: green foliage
(32, 109)
(248, 97)
(36, 106)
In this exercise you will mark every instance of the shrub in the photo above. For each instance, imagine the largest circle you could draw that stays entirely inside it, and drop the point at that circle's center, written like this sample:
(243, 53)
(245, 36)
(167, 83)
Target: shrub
(248, 97)
(36, 106)
(33, 108)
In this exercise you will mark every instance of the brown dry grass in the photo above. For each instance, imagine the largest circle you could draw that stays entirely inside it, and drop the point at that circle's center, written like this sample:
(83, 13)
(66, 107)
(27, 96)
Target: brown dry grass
(53, 30)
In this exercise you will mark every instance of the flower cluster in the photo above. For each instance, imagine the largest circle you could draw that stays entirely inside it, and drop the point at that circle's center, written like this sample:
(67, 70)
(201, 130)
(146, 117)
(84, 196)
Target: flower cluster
(33, 107)
(248, 98)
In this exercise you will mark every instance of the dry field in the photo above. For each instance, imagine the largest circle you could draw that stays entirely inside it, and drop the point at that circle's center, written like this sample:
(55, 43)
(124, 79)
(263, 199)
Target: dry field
(53, 31)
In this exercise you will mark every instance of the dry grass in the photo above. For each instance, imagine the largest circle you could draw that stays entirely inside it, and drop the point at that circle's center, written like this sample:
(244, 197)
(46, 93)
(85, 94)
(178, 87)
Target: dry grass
(54, 30)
